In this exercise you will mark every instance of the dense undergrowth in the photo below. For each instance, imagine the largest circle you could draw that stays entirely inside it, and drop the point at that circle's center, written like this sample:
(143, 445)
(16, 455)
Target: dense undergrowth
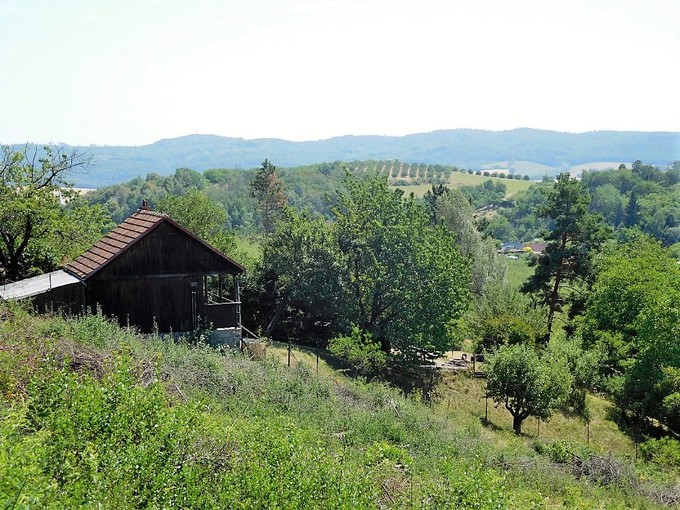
(94, 416)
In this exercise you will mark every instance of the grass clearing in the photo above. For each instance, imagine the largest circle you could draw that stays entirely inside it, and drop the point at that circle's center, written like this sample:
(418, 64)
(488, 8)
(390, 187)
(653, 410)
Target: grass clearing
(518, 270)
(249, 247)
(459, 179)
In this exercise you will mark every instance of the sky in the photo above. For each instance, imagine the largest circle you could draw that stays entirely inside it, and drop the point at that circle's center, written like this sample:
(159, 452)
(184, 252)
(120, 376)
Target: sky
(124, 72)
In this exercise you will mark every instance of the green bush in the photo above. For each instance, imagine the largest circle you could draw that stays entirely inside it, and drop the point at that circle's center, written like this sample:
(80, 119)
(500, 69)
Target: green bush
(359, 351)
(559, 451)
(112, 420)
(121, 442)
(665, 451)
(466, 486)
(506, 329)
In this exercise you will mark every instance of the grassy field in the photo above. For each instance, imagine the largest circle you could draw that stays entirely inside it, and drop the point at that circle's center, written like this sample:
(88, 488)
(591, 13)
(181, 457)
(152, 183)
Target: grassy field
(459, 179)
(518, 270)
(248, 247)
(459, 406)
(460, 398)
(522, 167)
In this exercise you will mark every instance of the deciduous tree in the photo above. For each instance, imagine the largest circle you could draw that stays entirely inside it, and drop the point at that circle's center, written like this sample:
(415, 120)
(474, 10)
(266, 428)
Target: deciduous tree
(631, 322)
(197, 212)
(526, 384)
(298, 275)
(380, 266)
(404, 280)
(456, 213)
(36, 232)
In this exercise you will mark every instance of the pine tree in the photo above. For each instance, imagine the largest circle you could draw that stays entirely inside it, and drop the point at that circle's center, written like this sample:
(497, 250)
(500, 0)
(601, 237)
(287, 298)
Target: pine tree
(267, 189)
(575, 236)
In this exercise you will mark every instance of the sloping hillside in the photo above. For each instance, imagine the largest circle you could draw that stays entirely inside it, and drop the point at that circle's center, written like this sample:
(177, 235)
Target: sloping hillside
(94, 416)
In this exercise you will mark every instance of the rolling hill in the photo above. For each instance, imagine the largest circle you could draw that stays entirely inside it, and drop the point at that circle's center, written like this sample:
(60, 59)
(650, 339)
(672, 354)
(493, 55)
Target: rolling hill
(538, 150)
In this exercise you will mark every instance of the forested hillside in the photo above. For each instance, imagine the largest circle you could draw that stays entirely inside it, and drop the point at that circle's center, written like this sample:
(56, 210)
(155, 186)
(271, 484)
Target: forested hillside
(638, 195)
(538, 151)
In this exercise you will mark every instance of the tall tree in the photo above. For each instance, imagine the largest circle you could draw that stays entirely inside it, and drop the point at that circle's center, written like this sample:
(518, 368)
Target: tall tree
(632, 212)
(267, 188)
(380, 266)
(652, 384)
(36, 231)
(456, 213)
(404, 280)
(297, 277)
(631, 323)
(432, 197)
(575, 236)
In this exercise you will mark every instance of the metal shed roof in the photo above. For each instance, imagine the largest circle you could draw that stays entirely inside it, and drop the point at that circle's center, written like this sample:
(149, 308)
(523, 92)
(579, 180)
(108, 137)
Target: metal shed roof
(36, 285)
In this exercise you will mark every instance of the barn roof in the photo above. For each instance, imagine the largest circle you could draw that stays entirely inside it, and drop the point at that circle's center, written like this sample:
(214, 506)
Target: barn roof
(121, 238)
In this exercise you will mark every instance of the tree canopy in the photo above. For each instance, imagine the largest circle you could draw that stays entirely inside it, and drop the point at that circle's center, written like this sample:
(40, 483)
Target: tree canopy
(37, 233)
(197, 212)
(379, 265)
(404, 280)
(456, 213)
(631, 322)
(526, 383)
(267, 189)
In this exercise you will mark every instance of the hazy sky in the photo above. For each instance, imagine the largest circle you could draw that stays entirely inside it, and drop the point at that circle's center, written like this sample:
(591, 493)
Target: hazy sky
(131, 72)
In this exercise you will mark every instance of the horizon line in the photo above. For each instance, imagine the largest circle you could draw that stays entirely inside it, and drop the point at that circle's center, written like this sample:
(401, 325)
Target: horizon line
(349, 135)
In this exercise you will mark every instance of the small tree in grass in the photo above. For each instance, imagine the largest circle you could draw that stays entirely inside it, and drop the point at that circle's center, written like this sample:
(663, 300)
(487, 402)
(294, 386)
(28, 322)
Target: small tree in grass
(528, 385)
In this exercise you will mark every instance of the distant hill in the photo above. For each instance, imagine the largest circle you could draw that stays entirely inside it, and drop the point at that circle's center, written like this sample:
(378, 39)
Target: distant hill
(542, 151)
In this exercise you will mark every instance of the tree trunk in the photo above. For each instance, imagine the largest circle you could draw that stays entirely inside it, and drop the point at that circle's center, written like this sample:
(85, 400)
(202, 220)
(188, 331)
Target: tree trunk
(555, 294)
(517, 423)
(280, 307)
(552, 305)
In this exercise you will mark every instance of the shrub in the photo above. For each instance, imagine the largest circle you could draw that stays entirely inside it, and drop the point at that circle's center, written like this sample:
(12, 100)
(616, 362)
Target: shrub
(506, 329)
(383, 452)
(359, 351)
(665, 451)
(466, 486)
(562, 452)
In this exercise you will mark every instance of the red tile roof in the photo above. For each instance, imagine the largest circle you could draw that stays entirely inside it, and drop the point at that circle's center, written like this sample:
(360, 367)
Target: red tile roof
(115, 242)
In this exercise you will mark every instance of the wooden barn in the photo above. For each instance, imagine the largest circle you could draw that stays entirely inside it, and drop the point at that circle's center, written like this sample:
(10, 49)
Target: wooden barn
(149, 272)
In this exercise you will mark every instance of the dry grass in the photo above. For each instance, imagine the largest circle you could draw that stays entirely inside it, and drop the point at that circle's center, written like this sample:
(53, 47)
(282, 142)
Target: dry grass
(304, 355)
(459, 394)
